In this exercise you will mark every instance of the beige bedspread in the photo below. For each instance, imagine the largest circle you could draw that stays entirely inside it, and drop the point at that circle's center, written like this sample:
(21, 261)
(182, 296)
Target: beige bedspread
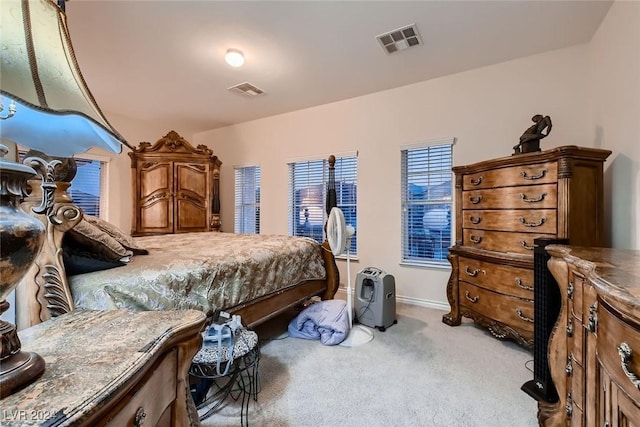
(202, 271)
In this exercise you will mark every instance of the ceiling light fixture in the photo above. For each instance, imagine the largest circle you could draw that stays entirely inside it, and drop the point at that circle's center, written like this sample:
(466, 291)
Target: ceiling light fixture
(234, 57)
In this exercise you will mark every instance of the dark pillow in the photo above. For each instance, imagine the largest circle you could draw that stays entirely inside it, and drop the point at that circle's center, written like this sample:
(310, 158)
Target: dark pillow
(78, 262)
(113, 231)
(87, 238)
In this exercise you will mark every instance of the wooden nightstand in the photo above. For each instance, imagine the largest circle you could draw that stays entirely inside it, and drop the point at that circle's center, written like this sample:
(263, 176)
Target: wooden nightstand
(116, 368)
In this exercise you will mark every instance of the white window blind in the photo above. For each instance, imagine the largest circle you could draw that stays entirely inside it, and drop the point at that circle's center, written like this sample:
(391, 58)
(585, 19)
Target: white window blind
(426, 204)
(247, 204)
(88, 186)
(308, 191)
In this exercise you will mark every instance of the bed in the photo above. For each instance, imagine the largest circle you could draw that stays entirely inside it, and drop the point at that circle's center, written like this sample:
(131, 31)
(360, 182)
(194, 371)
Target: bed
(256, 276)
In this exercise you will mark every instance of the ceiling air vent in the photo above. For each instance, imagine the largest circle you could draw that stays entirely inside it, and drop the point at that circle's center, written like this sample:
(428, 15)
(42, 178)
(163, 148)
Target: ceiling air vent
(246, 89)
(400, 39)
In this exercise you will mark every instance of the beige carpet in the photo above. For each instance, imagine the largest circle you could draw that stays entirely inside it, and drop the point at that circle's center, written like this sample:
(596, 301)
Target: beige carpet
(419, 372)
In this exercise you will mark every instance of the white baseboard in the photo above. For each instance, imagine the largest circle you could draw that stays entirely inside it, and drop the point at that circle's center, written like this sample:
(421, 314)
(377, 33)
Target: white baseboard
(438, 305)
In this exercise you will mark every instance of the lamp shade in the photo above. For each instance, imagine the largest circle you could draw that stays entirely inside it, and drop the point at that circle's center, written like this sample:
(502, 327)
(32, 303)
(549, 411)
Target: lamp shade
(55, 111)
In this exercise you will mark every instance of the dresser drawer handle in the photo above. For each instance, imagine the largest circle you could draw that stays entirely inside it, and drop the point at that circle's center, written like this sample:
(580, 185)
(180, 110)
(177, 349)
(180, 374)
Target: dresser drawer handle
(570, 328)
(522, 316)
(476, 181)
(532, 224)
(569, 368)
(525, 245)
(592, 324)
(139, 417)
(475, 220)
(468, 296)
(475, 199)
(570, 290)
(626, 355)
(473, 273)
(542, 173)
(520, 285)
(475, 239)
(528, 200)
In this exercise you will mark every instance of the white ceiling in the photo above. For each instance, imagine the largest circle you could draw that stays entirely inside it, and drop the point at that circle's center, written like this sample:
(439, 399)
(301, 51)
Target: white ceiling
(162, 61)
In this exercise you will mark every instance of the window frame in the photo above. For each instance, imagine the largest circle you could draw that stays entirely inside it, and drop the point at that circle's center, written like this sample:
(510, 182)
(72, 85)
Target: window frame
(239, 199)
(345, 199)
(449, 200)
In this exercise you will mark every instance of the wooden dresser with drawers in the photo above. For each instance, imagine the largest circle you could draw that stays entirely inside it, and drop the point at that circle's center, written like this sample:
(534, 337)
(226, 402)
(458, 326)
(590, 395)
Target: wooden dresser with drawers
(110, 368)
(594, 349)
(502, 205)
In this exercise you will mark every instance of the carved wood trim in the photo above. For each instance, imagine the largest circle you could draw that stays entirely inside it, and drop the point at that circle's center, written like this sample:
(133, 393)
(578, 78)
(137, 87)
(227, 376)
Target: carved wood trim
(47, 279)
(453, 318)
(552, 154)
(565, 168)
(551, 415)
(171, 143)
(459, 181)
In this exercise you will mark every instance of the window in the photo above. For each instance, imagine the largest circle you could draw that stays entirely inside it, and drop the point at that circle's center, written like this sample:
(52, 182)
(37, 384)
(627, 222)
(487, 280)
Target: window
(247, 216)
(307, 194)
(88, 186)
(426, 204)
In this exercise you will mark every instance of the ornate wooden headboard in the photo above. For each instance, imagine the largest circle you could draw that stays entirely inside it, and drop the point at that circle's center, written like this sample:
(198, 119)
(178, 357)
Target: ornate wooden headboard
(44, 291)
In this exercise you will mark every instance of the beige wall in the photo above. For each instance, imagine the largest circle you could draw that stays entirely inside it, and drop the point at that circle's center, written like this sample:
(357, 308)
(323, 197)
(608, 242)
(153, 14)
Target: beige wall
(614, 87)
(486, 110)
(590, 91)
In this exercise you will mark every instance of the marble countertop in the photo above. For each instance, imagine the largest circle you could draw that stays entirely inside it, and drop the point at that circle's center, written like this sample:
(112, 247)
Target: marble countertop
(89, 355)
(615, 273)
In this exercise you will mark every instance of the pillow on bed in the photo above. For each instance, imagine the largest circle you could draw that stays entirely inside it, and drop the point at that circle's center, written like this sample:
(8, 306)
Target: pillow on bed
(87, 238)
(78, 262)
(113, 231)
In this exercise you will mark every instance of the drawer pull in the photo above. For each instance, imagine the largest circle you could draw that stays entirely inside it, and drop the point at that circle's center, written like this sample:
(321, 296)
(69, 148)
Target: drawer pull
(570, 290)
(528, 200)
(476, 181)
(473, 273)
(475, 220)
(570, 328)
(475, 199)
(475, 239)
(139, 417)
(520, 285)
(542, 173)
(569, 368)
(626, 355)
(468, 296)
(593, 317)
(532, 224)
(522, 316)
(568, 408)
(524, 245)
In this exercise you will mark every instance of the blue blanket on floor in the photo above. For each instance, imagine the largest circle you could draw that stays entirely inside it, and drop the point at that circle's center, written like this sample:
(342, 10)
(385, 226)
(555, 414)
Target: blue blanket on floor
(327, 321)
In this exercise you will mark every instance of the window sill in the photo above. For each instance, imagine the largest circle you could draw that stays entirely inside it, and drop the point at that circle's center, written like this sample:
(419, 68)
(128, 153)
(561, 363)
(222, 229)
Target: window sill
(344, 258)
(436, 266)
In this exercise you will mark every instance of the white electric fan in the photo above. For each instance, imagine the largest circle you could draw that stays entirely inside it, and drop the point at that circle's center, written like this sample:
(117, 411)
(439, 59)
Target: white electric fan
(339, 237)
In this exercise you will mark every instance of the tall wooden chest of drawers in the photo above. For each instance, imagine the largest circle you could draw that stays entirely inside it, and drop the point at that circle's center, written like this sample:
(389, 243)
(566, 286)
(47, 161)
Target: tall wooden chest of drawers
(502, 205)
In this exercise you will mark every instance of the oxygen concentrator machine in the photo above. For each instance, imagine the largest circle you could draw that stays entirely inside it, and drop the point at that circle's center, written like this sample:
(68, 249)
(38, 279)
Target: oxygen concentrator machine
(375, 299)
